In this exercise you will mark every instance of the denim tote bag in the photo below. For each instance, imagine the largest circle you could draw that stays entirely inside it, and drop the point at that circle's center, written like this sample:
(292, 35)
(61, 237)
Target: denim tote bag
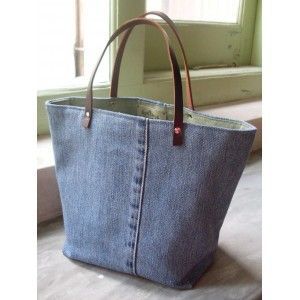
(145, 185)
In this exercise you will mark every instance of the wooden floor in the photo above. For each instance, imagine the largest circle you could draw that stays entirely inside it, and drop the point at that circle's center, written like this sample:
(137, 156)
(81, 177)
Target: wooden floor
(236, 273)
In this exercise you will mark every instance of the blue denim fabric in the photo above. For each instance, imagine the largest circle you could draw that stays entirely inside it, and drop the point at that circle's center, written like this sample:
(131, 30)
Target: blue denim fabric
(133, 202)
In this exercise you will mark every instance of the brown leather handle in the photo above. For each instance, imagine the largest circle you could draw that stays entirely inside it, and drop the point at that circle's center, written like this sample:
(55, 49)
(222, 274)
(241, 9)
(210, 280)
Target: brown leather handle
(118, 59)
(178, 101)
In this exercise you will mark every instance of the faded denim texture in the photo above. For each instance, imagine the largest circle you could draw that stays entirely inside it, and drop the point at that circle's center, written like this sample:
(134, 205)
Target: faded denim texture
(133, 202)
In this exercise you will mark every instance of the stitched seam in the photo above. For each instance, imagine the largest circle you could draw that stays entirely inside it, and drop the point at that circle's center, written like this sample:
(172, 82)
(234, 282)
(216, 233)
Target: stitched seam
(141, 198)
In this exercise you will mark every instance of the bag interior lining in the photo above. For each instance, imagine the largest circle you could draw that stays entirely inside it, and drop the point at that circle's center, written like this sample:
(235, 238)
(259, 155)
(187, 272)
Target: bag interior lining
(154, 110)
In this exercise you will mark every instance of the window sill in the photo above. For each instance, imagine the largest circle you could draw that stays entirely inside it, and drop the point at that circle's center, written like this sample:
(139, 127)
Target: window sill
(206, 73)
(77, 86)
(161, 76)
(183, 23)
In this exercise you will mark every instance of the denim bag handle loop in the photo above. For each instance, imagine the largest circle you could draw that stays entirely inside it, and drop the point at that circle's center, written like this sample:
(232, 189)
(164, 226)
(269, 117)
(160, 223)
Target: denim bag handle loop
(120, 52)
(178, 98)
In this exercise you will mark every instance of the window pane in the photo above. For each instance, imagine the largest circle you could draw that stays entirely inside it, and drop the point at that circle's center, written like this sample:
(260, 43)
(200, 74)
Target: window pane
(57, 37)
(198, 10)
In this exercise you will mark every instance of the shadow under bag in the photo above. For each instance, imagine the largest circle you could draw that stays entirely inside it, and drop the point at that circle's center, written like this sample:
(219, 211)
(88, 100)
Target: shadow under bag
(145, 185)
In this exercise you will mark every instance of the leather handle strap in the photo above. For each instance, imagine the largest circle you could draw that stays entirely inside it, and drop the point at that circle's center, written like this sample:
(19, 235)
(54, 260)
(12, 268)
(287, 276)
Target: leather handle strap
(118, 59)
(178, 101)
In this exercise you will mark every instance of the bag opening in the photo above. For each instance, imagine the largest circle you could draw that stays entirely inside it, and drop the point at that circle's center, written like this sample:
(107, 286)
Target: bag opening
(154, 110)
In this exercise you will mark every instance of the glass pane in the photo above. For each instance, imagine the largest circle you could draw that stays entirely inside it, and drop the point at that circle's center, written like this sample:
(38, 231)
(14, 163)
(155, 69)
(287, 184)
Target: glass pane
(56, 40)
(225, 11)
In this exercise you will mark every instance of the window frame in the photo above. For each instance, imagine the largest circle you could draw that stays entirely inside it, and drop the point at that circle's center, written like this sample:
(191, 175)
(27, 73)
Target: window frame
(214, 51)
(193, 22)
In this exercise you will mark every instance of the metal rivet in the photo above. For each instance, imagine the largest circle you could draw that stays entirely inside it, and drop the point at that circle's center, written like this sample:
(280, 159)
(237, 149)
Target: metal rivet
(87, 114)
(177, 130)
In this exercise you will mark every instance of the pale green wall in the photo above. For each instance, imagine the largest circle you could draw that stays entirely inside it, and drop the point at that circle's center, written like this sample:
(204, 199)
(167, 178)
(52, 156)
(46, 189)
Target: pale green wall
(257, 40)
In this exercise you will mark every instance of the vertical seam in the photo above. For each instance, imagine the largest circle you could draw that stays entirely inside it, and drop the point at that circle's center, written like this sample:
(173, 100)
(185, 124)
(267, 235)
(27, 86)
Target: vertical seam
(141, 197)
